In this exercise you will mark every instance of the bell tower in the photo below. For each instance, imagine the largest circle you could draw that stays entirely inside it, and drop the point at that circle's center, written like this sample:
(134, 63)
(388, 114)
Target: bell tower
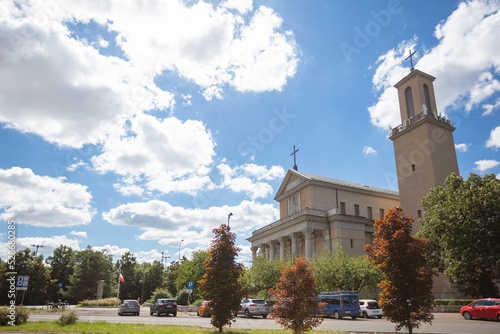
(424, 148)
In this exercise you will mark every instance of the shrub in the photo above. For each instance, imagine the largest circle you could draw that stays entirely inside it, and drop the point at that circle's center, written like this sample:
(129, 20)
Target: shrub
(16, 316)
(197, 302)
(160, 293)
(67, 319)
(457, 302)
(108, 302)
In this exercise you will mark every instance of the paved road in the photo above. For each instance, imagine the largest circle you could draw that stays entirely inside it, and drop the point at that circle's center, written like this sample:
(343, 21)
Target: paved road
(443, 322)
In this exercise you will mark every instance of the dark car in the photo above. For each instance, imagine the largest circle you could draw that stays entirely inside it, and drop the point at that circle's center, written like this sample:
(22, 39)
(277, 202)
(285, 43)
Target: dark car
(163, 306)
(488, 308)
(129, 306)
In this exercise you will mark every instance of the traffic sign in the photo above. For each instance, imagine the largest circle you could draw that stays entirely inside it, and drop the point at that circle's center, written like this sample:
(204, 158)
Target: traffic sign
(22, 282)
(190, 285)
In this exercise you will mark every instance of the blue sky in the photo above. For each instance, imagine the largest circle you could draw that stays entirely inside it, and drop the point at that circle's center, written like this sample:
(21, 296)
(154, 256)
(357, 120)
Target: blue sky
(132, 126)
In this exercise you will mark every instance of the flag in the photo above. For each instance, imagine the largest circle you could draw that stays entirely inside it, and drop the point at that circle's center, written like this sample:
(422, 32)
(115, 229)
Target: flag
(121, 278)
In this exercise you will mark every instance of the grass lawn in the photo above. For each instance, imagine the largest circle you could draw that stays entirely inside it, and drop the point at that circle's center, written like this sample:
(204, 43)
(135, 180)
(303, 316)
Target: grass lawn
(111, 328)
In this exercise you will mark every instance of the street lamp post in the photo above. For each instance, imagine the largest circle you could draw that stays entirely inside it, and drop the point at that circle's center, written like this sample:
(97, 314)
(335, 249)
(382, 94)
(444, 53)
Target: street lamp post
(229, 216)
(179, 269)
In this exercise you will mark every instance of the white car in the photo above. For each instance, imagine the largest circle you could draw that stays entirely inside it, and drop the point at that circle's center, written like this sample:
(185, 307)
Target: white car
(370, 308)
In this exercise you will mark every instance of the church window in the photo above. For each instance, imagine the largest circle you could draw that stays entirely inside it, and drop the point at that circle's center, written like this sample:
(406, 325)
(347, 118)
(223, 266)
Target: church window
(352, 243)
(369, 211)
(356, 210)
(413, 167)
(294, 204)
(427, 99)
(382, 213)
(342, 208)
(419, 213)
(409, 103)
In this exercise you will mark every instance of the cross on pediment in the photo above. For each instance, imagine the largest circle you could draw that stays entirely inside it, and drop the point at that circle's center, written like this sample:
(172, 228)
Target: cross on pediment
(294, 160)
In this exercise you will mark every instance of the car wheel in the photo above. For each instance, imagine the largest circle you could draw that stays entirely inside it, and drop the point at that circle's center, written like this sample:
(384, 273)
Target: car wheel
(138, 313)
(379, 316)
(198, 313)
(498, 317)
(235, 314)
(365, 315)
(158, 313)
(264, 316)
(354, 317)
(336, 315)
(247, 314)
(467, 316)
(119, 313)
(151, 312)
(174, 314)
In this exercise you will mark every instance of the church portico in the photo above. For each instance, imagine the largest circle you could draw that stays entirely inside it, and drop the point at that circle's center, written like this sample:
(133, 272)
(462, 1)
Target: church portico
(320, 214)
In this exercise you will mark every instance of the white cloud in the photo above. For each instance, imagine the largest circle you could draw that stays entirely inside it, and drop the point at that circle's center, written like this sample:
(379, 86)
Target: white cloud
(248, 178)
(494, 140)
(78, 95)
(489, 108)
(168, 155)
(169, 224)
(243, 6)
(484, 165)
(463, 147)
(369, 150)
(43, 201)
(79, 233)
(48, 243)
(464, 62)
(114, 251)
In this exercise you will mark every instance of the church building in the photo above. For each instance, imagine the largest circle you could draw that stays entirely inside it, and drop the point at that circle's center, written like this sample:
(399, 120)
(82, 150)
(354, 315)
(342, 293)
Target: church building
(318, 213)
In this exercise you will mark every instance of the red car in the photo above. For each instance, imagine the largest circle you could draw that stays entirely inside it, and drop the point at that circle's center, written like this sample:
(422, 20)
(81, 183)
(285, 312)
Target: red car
(204, 310)
(488, 308)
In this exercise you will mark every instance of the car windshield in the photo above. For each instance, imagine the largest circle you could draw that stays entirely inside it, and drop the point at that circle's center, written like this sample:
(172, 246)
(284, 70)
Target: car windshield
(258, 301)
(165, 301)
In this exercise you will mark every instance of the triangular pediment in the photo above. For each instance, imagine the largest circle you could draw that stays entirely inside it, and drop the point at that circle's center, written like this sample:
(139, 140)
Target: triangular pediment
(291, 180)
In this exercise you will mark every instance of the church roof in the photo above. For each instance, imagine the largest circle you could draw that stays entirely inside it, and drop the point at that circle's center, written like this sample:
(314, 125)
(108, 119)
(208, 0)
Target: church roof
(313, 177)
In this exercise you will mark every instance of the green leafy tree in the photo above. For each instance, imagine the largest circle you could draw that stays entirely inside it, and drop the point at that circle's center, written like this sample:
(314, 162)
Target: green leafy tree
(131, 288)
(406, 297)
(153, 279)
(90, 267)
(462, 220)
(193, 271)
(263, 275)
(62, 265)
(295, 294)
(221, 284)
(346, 273)
(170, 278)
(27, 264)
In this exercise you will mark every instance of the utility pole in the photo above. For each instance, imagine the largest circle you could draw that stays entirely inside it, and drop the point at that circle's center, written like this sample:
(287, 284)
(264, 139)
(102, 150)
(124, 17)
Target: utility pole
(179, 269)
(37, 246)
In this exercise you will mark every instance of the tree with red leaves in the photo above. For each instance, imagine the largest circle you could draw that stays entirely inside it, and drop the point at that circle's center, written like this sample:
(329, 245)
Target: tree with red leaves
(220, 284)
(406, 297)
(295, 306)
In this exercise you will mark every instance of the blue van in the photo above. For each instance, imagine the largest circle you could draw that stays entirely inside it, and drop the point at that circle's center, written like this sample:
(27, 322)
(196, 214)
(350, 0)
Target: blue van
(340, 304)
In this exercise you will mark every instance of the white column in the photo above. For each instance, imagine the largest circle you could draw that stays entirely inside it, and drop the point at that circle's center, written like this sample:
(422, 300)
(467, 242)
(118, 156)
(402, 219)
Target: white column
(295, 251)
(272, 245)
(254, 253)
(328, 241)
(308, 242)
(282, 247)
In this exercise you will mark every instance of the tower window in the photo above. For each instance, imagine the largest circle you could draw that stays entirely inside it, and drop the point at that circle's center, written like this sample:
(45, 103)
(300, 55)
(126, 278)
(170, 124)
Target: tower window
(356, 210)
(419, 213)
(352, 243)
(413, 167)
(409, 103)
(427, 99)
(342, 208)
